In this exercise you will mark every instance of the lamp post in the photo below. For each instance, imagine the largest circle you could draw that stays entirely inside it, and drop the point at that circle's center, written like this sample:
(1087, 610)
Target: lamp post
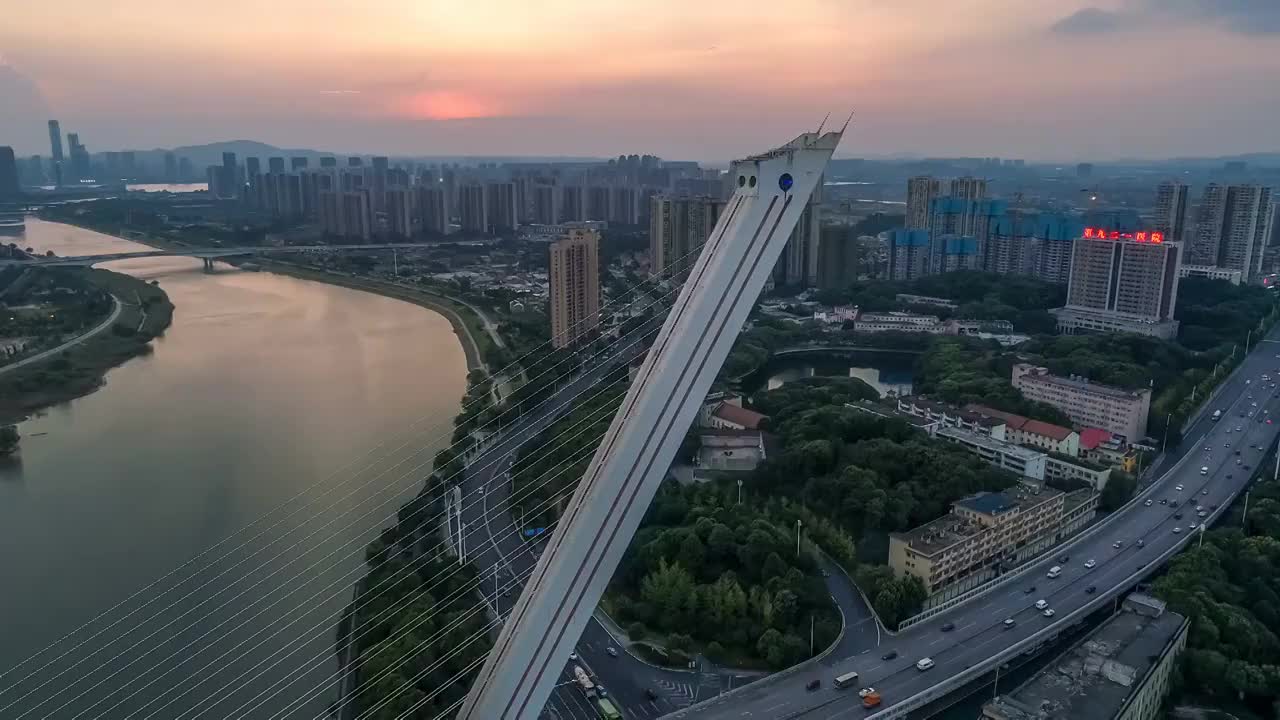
(1165, 445)
(739, 491)
(798, 537)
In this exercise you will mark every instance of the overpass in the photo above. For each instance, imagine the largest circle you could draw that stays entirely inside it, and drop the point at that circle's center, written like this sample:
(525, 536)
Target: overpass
(206, 254)
(978, 641)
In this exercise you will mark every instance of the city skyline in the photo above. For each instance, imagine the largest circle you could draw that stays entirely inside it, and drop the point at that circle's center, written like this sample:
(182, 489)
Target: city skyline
(982, 77)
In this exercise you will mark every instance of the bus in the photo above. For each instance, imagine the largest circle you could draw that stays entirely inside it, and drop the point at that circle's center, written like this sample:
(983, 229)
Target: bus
(607, 710)
(846, 680)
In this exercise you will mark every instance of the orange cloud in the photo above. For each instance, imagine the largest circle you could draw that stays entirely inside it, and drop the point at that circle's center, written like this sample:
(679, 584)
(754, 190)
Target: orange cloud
(444, 105)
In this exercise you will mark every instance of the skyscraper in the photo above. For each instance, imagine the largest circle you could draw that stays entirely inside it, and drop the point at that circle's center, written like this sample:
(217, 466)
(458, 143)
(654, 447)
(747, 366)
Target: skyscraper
(1122, 282)
(921, 192)
(55, 141)
(297, 163)
(228, 176)
(8, 173)
(379, 178)
(328, 162)
(170, 168)
(55, 150)
(1171, 210)
(574, 287)
(355, 161)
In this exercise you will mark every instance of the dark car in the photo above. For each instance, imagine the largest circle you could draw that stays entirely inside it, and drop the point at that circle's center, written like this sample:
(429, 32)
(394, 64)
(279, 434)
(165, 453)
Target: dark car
(889, 655)
(1091, 589)
(948, 627)
(813, 684)
(1165, 501)
(1177, 516)
(1029, 590)
(649, 693)
(1228, 476)
(1064, 559)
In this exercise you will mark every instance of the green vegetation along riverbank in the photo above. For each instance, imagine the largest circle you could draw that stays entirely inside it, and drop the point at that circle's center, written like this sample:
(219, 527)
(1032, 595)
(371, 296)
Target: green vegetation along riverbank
(144, 313)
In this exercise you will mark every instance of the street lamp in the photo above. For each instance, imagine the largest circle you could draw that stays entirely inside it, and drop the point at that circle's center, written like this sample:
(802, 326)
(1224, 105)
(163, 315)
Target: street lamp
(739, 491)
(1165, 445)
(797, 537)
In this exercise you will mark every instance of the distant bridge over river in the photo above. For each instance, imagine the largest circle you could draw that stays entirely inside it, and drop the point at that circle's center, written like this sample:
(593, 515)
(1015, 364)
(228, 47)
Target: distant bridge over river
(208, 255)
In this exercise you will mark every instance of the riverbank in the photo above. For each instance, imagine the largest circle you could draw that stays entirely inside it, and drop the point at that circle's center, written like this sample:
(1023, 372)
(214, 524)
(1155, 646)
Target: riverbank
(466, 326)
(143, 313)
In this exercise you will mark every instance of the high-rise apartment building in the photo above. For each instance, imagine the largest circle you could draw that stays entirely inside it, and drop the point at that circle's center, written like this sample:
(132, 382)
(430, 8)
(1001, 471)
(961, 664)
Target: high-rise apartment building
(546, 203)
(170, 168)
(399, 212)
(798, 264)
(840, 256)
(1122, 282)
(908, 254)
(1170, 215)
(921, 192)
(429, 209)
(1233, 223)
(678, 228)
(574, 287)
(297, 163)
(500, 202)
(328, 162)
(9, 186)
(574, 203)
(473, 208)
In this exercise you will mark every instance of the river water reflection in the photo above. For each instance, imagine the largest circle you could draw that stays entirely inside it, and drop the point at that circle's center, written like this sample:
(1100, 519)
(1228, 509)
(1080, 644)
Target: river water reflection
(264, 386)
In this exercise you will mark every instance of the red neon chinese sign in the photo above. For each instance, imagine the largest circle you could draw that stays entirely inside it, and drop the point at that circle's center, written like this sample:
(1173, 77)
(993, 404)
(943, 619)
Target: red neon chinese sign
(1142, 236)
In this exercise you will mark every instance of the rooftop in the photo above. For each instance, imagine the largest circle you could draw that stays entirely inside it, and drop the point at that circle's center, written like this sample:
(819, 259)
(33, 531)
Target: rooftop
(1074, 382)
(749, 419)
(1025, 424)
(988, 443)
(1091, 438)
(989, 503)
(1095, 678)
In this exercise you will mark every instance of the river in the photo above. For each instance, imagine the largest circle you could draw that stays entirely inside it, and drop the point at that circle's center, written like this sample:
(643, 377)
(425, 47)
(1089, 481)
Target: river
(265, 387)
(886, 373)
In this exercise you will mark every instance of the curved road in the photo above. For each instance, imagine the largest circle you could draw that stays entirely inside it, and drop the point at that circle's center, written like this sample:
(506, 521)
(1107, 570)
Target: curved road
(980, 637)
(44, 354)
(493, 541)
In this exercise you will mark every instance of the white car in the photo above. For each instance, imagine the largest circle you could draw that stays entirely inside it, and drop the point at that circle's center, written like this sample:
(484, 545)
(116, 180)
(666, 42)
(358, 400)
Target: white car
(1177, 531)
(1042, 604)
(1048, 613)
(1091, 564)
(865, 691)
(924, 664)
(1177, 488)
(1202, 513)
(573, 657)
(1147, 503)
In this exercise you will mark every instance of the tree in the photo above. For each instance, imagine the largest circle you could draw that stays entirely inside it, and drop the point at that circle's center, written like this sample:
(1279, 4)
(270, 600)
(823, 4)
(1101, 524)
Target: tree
(8, 439)
(1118, 491)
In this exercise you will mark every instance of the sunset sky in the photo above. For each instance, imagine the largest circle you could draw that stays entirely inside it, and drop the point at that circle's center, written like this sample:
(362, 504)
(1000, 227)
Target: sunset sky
(705, 80)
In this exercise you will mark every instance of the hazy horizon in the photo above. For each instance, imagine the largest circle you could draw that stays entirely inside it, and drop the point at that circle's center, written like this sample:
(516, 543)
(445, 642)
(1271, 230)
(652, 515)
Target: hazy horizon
(1081, 80)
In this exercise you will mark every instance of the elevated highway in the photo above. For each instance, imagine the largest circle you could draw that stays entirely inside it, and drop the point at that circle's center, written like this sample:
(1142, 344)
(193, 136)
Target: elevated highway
(980, 639)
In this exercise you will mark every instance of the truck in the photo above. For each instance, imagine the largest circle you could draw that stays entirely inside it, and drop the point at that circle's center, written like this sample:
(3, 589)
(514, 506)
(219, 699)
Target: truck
(1217, 414)
(584, 681)
(871, 699)
(847, 679)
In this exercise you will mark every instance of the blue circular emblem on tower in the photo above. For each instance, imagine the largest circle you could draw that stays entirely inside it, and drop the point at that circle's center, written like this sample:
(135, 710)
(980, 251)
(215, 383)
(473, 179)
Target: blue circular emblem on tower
(785, 182)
